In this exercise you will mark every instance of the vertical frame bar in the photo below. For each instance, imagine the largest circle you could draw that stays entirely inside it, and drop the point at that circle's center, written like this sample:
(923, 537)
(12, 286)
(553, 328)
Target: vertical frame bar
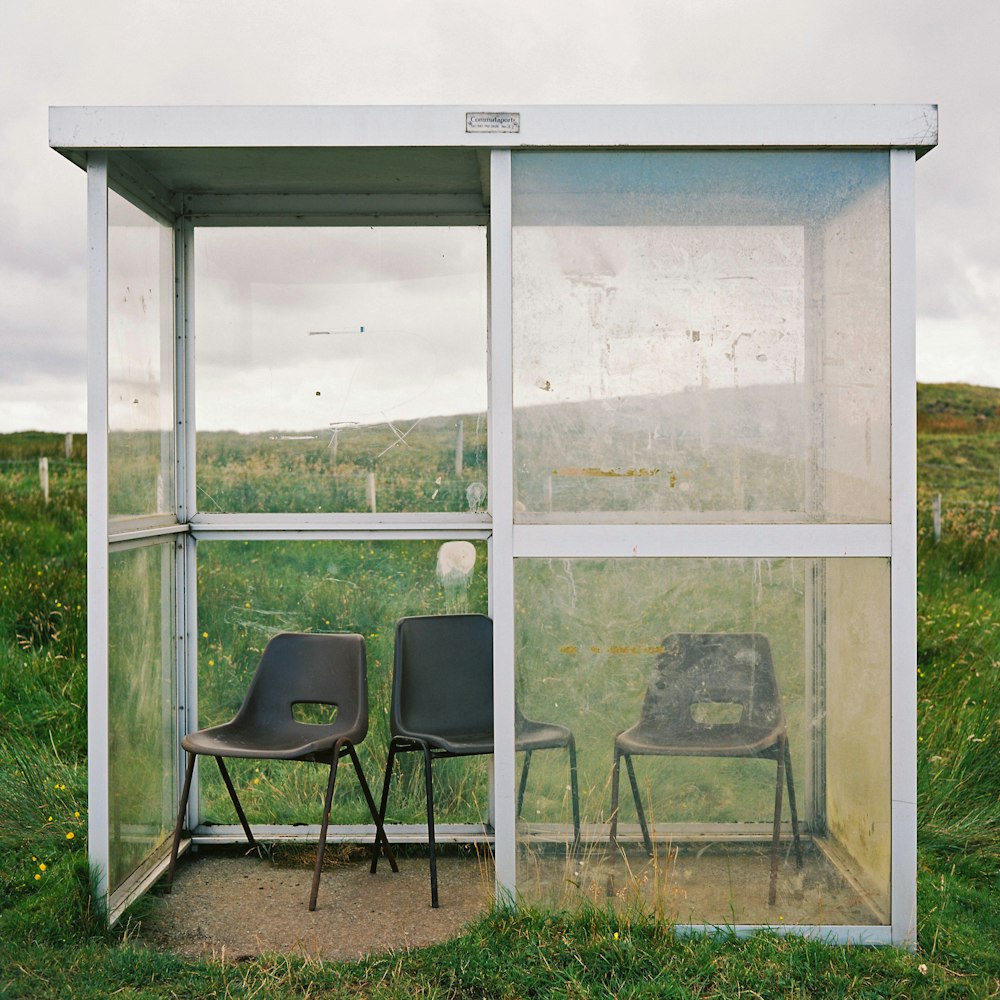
(186, 440)
(187, 618)
(98, 822)
(501, 472)
(902, 315)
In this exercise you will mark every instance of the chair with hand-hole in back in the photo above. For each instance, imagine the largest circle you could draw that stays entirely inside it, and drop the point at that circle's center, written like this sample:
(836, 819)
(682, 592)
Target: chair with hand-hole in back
(296, 669)
(442, 705)
(711, 695)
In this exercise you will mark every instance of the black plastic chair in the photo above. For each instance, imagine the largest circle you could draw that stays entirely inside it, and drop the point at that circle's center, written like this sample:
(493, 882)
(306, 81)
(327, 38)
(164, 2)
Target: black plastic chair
(295, 669)
(442, 705)
(712, 695)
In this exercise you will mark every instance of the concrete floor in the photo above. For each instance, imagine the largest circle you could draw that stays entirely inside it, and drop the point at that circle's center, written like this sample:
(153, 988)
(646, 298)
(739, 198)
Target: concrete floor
(228, 905)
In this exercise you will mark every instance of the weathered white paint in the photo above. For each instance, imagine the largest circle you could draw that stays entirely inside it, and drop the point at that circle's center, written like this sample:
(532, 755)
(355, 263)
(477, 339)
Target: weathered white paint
(73, 129)
(904, 549)
(98, 818)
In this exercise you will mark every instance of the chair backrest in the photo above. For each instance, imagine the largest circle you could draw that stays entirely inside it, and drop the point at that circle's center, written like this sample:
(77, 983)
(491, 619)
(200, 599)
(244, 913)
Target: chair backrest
(298, 668)
(443, 676)
(704, 682)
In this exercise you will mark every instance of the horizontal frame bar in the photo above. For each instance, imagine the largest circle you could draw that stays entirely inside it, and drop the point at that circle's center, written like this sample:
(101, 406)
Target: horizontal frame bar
(827, 933)
(345, 526)
(666, 126)
(451, 833)
(121, 539)
(764, 541)
(139, 882)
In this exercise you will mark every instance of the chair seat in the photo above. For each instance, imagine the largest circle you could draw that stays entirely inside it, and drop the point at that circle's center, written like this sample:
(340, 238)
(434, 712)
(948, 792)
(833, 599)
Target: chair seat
(456, 743)
(540, 735)
(703, 741)
(530, 736)
(291, 741)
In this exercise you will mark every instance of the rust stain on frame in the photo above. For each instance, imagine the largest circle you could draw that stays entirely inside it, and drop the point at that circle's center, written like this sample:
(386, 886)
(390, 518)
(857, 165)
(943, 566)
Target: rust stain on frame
(604, 473)
(572, 650)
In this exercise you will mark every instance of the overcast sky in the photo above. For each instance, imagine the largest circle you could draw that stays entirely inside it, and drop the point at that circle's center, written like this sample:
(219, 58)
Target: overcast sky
(473, 53)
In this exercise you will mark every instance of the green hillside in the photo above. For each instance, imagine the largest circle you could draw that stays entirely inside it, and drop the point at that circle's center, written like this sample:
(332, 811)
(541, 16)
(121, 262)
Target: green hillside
(53, 943)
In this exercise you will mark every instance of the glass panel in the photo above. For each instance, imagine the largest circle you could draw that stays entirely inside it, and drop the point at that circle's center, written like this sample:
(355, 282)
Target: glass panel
(249, 591)
(701, 336)
(142, 703)
(691, 666)
(341, 369)
(141, 431)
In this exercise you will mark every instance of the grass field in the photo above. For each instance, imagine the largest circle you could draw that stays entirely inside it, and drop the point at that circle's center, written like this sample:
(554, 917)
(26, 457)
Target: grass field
(53, 942)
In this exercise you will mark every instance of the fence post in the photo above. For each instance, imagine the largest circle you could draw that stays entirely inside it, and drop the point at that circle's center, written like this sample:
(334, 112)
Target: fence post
(370, 491)
(69, 444)
(43, 477)
(459, 447)
(937, 517)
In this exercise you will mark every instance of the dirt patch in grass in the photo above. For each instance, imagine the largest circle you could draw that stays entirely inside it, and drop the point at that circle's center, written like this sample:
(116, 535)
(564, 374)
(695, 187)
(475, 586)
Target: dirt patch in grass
(230, 906)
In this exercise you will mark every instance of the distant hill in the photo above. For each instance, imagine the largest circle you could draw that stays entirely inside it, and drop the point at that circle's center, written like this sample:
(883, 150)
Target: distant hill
(958, 443)
(957, 408)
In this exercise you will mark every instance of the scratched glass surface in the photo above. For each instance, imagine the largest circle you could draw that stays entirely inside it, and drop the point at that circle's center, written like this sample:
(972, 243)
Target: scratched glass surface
(141, 429)
(606, 644)
(341, 370)
(701, 336)
(250, 591)
(142, 726)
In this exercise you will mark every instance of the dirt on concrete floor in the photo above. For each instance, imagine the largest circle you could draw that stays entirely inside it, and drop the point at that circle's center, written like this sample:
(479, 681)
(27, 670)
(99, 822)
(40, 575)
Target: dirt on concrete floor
(228, 905)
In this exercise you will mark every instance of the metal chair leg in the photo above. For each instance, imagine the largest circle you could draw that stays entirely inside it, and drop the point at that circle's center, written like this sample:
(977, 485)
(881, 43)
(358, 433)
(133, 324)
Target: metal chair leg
(383, 802)
(178, 828)
(380, 836)
(613, 834)
(523, 783)
(574, 785)
(646, 839)
(796, 841)
(236, 803)
(430, 825)
(772, 890)
(324, 825)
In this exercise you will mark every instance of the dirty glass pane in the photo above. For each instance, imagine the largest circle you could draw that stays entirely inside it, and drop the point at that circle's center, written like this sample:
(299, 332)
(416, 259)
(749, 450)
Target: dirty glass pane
(341, 370)
(141, 433)
(142, 761)
(250, 591)
(701, 336)
(688, 665)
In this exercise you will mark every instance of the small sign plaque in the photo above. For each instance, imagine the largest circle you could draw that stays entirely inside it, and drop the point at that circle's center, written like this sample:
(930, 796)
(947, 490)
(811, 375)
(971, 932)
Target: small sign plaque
(492, 121)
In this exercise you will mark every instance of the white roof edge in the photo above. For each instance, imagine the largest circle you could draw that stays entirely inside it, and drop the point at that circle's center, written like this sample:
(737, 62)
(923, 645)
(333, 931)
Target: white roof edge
(737, 126)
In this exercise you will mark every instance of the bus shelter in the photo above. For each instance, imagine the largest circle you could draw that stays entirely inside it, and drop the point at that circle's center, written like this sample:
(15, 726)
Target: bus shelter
(637, 382)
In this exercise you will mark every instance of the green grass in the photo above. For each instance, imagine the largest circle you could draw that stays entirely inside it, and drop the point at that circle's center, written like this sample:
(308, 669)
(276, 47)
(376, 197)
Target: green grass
(53, 942)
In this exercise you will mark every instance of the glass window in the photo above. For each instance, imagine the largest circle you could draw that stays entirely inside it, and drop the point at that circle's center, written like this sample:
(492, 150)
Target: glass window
(141, 427)
(701, 336)
(249, 591)
(142, 703)
(341, 369)
(695, 668)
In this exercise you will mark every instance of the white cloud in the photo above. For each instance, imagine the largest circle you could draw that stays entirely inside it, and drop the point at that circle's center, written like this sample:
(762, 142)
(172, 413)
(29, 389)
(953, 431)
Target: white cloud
(459, 51)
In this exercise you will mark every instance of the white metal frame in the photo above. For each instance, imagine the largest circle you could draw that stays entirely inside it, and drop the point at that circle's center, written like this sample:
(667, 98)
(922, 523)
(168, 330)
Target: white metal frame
(114, 143)
(902, 312)
(98, 819)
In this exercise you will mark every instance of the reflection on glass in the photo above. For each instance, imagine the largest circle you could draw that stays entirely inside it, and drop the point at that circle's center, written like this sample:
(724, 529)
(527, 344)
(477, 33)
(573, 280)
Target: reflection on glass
(141, 436)
(701, 336)
(341, 369)
(250, 591)
(142, 766)
(596, 637)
